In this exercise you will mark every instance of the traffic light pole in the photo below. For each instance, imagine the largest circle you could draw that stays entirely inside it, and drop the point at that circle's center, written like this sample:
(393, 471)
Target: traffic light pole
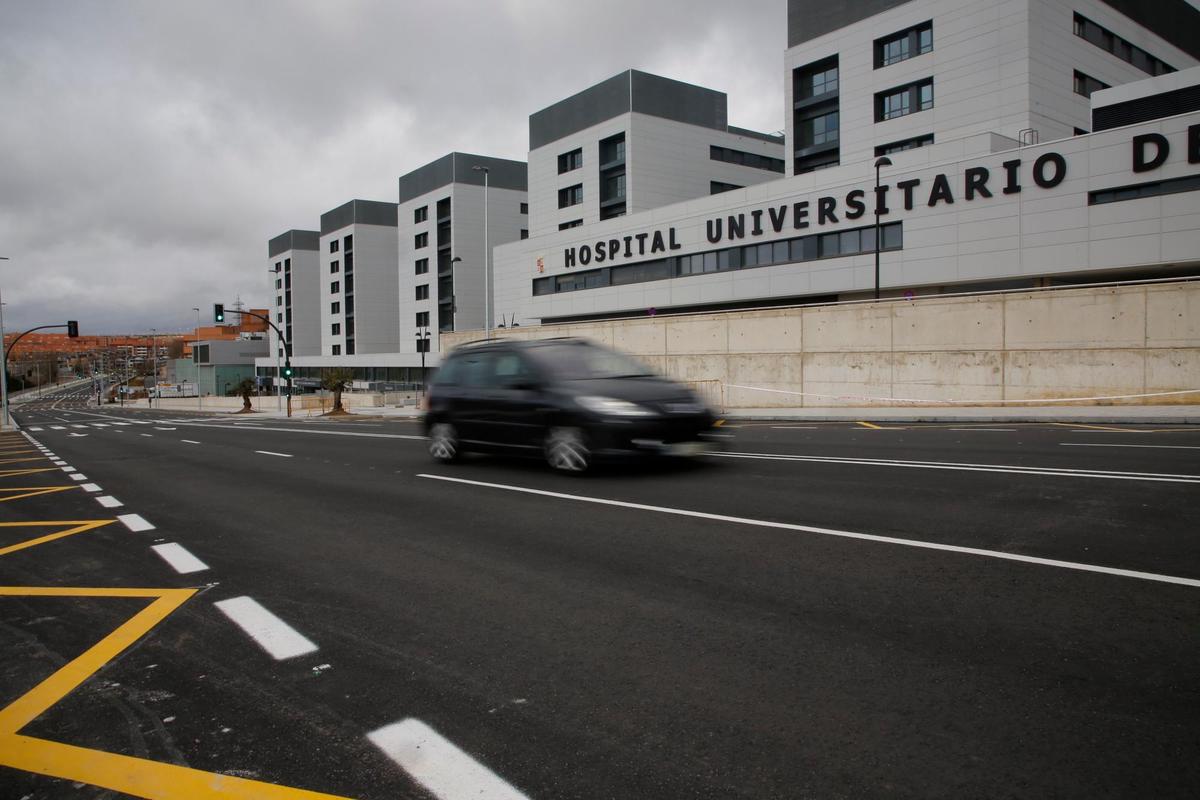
(287, 350)
(72, 327)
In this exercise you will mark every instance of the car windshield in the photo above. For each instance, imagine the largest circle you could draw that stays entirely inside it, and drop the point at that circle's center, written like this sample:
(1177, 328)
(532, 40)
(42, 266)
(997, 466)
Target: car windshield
(579, 362)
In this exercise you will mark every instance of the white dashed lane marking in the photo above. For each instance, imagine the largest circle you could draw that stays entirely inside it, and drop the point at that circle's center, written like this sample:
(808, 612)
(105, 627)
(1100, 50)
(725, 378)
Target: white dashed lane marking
(78, 476)
(90, 487)
(438, 764)
(108, 501)
(179, 558)
(271, 633)
(189, 441)
(269, 453)
(135, 522)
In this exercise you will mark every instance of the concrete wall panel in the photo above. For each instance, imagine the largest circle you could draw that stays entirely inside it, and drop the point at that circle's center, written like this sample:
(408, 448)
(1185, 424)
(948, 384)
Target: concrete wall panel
(1075, 319)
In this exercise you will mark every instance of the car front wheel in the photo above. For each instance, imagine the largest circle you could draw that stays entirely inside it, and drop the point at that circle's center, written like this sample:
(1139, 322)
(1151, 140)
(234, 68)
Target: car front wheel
(443, 442)
(567, 450)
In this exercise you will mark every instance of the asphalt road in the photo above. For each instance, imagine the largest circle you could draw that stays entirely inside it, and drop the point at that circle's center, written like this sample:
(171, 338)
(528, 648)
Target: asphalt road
(826, 610)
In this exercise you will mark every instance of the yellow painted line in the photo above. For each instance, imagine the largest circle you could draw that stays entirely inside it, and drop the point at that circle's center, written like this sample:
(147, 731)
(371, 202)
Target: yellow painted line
(870, 425)
(132, 776)
(12, 473)
(76, 526)
(19, 460)
(1096, 427)
(30, 491)
(718, 423)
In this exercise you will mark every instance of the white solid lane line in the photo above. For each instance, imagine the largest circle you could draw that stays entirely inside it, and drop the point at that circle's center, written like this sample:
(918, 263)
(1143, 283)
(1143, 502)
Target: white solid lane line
(157, 428)
(135, 522)
(189, 441)
(437, 764)
(794, 427)
(179, 558)
(1149, 446)
(108, 501)
(274, 635)
(868, 537)
(90, 487)
(269, 453)
(35, 430)
(989, 430)
(78, 435)
(1161, 477)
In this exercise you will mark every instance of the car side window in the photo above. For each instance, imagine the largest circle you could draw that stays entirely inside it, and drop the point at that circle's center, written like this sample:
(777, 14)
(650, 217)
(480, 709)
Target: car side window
(510, 369)
(475, 370)
(448, 372)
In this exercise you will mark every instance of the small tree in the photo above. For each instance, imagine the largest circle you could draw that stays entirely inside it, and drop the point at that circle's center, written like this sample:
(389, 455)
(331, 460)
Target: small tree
(336, 381)
(245, 389)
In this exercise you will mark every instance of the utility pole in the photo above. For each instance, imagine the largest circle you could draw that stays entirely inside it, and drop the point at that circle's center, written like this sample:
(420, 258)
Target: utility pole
(4, 423)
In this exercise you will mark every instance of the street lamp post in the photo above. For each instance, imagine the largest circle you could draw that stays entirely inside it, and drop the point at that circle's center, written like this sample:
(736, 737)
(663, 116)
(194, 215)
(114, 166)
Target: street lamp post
(154, 347)
(487, 260)
(423, 348)
(278, 346)
(195, 363)
(882, 161)
(3, 366)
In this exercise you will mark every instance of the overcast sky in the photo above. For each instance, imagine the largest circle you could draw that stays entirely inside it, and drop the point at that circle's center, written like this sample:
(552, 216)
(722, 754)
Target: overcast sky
(148, 150)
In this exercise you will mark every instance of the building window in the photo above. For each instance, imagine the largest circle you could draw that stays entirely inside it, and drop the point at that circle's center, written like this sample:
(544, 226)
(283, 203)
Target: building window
(279, 300)
(731, 156)
(570, 196)
(1154, 189)
(818, 130)
(817, 80)
(422, 319)
(423, 291)
(716, 187)
(420, 214)
(524, 208)
(570, 161)
(278, 284)
(612, 151)
(335, 308)
(279, 316)
(335, 329)
(575, 223)
(904, 100)
(333, 266)
(333, 246)
(1086, 84)
(420, 240)
(422, 266)
(348, 243)
(614, 187)
(524, 233)
(905, 144)
(278, 266)
(350, 304)
(337, 349)
(1123, 49)
(906, 44)
(335, 287)
(349, 347)
(287, 265)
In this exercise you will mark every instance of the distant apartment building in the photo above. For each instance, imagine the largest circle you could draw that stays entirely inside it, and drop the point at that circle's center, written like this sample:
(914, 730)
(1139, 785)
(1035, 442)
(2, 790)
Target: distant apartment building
(359, 284)
(636, 142)
(295, 273)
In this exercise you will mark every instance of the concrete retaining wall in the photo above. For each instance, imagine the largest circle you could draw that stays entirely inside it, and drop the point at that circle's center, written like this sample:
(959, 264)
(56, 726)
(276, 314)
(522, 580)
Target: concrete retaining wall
(1092, 343)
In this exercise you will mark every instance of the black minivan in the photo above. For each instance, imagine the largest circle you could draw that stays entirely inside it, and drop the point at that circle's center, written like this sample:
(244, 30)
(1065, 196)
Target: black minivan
(568, 400)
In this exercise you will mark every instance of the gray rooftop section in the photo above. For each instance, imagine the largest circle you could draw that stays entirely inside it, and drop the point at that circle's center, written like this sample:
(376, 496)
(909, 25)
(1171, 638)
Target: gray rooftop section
(358, 212)
(808, 19)
(629, 91)
(457, 168)
(293, 240)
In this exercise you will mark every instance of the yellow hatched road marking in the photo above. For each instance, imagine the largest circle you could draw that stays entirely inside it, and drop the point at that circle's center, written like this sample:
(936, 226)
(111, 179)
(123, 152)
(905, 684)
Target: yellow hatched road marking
(1095, 427)
(19, 460)
(12, 473)
(75, 526)
(30, 491)
(873, 426)
(133, 776)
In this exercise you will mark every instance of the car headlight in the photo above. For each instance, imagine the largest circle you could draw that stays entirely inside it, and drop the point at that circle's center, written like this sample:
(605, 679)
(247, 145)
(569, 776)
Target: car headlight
(611, 407)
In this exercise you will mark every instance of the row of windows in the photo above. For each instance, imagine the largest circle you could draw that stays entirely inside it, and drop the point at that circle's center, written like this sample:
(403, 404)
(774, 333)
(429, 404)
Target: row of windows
(903, 45)
(904, 100)
(1086, 84)
(717, 187)
(904, 144)
(1153, 189)
(422, 214)
(575, 223)
(731, 156)
(785, 251)
(1121, 48)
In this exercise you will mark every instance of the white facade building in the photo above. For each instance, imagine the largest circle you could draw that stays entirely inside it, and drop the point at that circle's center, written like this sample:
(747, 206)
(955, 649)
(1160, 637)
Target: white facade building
(636, 142)
(295, 272)
(359, 283)
(1000, 193)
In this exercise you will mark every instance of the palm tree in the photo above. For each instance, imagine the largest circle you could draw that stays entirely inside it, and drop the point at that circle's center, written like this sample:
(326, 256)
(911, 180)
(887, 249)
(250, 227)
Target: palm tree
(336, 381)
(245, 389)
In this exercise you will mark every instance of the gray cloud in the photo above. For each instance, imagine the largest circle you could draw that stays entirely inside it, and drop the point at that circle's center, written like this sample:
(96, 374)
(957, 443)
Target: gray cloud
(148, 150)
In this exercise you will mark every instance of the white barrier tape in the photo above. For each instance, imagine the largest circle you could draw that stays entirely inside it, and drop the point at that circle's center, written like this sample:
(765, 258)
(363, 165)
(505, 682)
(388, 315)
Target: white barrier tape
(961, 402)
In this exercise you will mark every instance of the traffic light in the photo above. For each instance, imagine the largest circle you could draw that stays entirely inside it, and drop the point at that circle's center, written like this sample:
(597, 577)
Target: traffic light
(287, 371)
(72, 329)
(218, 312)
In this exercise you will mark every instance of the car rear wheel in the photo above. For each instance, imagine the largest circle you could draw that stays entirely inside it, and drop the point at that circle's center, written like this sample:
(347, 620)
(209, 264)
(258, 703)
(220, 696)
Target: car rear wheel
(567, 450)
(443, 442)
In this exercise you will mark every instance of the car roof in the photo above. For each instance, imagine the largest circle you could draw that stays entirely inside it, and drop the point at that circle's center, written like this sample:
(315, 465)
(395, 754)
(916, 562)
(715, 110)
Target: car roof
(497, 344)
